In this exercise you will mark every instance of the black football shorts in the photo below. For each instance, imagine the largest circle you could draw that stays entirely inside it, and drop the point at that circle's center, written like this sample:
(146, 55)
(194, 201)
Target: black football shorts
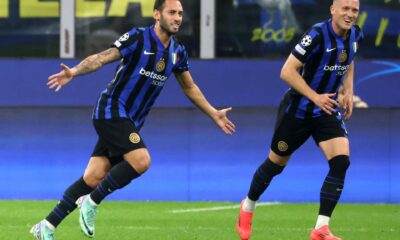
(291, 132)
(116, 137)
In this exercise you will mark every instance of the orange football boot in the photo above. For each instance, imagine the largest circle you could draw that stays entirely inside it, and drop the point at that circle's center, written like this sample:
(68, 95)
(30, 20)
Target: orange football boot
(243, 224)
(323, 233)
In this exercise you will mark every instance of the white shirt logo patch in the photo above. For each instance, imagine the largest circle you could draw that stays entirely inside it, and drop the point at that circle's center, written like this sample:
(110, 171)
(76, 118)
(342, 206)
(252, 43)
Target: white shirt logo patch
(300, 50)
(117, 44)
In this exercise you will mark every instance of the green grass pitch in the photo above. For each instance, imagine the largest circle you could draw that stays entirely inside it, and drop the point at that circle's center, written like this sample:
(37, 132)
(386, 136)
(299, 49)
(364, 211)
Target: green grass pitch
(158, 221)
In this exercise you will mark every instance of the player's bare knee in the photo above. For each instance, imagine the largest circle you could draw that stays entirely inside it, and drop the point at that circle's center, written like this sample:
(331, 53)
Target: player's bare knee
(96, 170)
(140, 163)
(277, 159)
(91, 179)
(143, 163)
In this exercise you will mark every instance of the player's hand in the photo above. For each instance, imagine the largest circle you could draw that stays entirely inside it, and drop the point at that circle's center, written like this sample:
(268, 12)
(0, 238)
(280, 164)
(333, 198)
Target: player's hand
(346, 104)
(326, 102)
(60, 79)
(223, 122)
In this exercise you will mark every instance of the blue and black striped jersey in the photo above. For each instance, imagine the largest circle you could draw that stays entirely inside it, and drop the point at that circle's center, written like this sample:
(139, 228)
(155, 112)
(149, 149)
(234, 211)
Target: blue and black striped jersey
(144, 68)
(326, 57)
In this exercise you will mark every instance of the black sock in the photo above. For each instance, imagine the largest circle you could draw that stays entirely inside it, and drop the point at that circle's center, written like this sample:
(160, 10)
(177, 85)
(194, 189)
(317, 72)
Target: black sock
(333, 184)
(118, 177)
(262, 177)
(67, 204)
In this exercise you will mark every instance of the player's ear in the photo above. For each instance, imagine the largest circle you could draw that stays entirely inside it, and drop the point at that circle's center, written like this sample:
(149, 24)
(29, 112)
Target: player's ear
(332, 8)
(156, 15)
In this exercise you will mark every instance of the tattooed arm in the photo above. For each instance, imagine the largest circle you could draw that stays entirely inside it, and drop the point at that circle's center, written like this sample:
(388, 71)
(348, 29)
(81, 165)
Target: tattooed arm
(89, 64)
(96, 61)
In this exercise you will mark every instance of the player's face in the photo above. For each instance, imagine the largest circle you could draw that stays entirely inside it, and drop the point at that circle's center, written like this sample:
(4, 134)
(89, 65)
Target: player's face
(344, 13)
(170, 17)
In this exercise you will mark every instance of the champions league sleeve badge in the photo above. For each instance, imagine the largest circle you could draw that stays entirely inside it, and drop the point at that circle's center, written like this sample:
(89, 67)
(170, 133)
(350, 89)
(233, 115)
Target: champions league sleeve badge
(306, 41)
(124, 37)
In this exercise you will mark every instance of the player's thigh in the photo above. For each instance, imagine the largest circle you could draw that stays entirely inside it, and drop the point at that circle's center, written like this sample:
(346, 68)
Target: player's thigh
(335, 146)
(96, 170)
(139, 159)
(290, 133)
(331, 135)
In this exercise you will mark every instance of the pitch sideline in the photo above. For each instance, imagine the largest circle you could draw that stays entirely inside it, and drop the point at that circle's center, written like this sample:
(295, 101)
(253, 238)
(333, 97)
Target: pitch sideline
(218, 208)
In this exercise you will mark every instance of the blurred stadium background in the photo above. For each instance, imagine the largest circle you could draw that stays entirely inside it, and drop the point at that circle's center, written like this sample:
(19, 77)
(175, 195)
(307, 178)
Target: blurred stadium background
(236, 50)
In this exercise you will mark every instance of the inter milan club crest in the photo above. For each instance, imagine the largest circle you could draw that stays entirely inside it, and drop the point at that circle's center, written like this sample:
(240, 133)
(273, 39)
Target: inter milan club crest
(160, 65)
(343, 56)
(134, 138)
(282, 146)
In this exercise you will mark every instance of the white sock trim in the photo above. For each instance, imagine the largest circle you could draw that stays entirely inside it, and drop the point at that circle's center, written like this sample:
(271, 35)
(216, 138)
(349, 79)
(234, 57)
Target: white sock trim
(249, 205)
(322, 221)
(91, 201)
(49, 225)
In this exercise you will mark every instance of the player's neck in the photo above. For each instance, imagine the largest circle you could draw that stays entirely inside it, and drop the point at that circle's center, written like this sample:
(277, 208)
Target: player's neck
(343, 33)
(164, 37)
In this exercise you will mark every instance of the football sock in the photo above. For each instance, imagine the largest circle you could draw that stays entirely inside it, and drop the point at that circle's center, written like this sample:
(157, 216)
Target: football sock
(322, 221)
(67, 204)
(262, 177)
(118, 177)
(92, 202)
(333, 184)
(249, 205)
(49, 225)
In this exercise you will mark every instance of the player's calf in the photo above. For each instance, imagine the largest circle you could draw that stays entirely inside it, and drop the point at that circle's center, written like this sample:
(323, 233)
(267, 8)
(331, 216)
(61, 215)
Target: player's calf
(333, 185)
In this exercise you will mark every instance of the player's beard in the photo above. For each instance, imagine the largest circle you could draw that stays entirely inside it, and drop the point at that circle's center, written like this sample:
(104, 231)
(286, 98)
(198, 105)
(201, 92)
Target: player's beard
(167, 28)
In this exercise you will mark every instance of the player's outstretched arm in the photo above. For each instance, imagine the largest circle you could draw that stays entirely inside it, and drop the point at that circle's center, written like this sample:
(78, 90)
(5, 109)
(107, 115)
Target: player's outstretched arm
(89, 64)
(195, 95)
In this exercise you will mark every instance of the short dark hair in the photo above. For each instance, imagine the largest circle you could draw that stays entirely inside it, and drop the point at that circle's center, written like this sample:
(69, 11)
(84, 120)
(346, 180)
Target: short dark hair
(158, 4)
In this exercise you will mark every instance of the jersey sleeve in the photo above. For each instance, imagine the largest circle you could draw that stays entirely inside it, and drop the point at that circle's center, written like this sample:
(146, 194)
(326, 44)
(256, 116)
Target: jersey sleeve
(127, 43)
(182, 64)
(307, 43)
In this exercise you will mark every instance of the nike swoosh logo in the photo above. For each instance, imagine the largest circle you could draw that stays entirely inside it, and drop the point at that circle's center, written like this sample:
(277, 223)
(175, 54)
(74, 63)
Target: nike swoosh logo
(330, 50)
(90, 232)
(148, 53)
(323, 235)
